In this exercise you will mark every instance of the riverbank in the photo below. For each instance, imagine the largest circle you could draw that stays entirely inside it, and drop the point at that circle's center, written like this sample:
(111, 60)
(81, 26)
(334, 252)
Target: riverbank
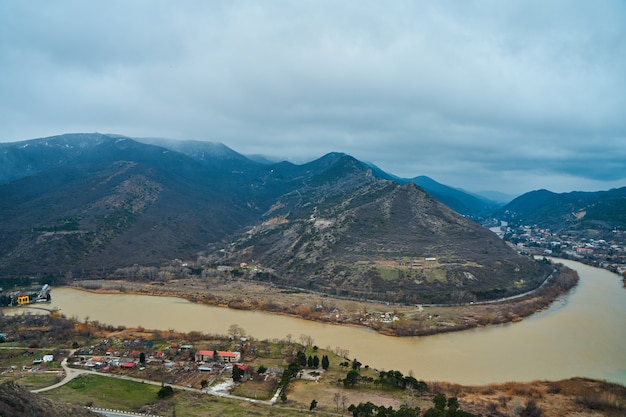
(388, 319)
(101, 388)
(558, 343)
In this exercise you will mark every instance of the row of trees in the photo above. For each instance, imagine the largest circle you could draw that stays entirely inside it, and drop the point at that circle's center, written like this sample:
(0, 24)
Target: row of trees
(395, 379)
(443, 407)
(370, 409)
(311, 361)
(389, 379)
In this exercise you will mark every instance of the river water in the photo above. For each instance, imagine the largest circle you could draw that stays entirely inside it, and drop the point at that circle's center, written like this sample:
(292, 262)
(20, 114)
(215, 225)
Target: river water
(582, 334)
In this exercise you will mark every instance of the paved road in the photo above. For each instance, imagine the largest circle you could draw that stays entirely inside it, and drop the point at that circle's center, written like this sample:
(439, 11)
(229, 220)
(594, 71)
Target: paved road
(70, 373)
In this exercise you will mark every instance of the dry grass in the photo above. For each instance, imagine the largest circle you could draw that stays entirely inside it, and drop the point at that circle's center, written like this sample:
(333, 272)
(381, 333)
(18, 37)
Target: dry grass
(30, 381)
(257, 389)
(301, 393)
(573, 397)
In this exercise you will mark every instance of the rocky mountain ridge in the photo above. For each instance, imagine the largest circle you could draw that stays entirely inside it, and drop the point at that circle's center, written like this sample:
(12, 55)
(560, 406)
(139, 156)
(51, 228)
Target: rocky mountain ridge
(332, 225)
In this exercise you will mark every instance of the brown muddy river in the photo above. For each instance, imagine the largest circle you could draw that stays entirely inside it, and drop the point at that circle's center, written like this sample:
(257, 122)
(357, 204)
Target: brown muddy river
(582, 334)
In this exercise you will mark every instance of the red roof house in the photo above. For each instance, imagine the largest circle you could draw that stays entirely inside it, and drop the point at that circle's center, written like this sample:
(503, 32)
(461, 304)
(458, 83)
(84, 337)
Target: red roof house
(209, 355)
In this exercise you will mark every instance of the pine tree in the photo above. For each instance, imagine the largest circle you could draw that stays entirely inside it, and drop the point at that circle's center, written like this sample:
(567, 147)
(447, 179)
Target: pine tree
(325, 362)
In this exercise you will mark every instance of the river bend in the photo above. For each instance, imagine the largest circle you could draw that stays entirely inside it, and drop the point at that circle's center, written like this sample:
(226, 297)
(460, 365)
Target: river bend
(582, 334)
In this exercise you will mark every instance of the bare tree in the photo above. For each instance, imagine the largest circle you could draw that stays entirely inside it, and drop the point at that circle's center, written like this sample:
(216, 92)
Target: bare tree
(306, 341)
(236, 332)
(344, 401)
(342, 352)
(336, 399)
(409, 390)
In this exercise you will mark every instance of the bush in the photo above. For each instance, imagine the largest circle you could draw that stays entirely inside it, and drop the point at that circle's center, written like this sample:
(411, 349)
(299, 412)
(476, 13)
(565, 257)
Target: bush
(165, 392)
(531, 410)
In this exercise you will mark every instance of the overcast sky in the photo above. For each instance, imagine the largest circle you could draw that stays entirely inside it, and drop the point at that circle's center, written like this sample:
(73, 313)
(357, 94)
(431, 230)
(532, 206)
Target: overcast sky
(511, 96)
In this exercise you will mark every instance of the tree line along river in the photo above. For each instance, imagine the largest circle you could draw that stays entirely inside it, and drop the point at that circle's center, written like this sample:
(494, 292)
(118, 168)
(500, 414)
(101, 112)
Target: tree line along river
(581, 334)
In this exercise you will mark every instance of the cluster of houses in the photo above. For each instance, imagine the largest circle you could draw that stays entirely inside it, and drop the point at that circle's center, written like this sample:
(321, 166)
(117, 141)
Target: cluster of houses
(139, 354)
(205, 358)
(608, 253)
(387, 318)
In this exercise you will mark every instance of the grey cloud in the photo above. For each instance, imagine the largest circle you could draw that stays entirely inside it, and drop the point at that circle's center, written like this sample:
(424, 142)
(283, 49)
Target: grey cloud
(526, 92)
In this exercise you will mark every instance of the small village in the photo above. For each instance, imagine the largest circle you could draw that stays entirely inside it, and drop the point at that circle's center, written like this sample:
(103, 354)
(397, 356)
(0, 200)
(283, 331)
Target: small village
(608, 252)
(177, 363)
(239, 369)
(236, 367)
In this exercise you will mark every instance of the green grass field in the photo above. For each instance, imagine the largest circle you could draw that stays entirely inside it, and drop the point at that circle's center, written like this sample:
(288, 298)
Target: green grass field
(389, 274)
(113, 393)
(435, 275)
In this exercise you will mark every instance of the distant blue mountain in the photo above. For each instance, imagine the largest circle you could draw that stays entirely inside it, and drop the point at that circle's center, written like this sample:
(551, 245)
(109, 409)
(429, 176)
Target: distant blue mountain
(465, 203)
(461, 201)
(558, 211)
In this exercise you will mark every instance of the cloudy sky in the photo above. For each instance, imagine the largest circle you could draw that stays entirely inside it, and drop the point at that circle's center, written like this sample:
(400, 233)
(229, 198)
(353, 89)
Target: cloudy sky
(488, 95)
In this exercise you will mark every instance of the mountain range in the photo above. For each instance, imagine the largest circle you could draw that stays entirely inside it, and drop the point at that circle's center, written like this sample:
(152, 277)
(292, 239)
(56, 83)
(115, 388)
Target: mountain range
(578, 210)
(87, 204)
(467, 204)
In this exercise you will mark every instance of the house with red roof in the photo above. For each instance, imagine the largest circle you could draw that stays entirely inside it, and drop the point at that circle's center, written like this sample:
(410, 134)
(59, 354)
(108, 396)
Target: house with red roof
(209, 356)
(247, 371)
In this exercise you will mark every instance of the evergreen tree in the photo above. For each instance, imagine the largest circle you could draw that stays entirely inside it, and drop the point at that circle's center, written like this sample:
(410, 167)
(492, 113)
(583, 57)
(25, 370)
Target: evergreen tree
(351, 379)
(165, 392)
(440, 401)
(316, 361)
(325, 362)
(237, 373)
(301, 358)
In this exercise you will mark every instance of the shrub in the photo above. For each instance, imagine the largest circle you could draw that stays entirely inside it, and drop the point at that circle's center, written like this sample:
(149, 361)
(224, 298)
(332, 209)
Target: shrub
(165, 392)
